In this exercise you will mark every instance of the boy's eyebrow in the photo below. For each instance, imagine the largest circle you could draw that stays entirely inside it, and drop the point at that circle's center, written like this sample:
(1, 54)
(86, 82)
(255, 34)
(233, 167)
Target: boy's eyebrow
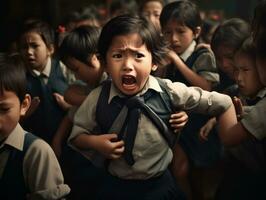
(127, 49)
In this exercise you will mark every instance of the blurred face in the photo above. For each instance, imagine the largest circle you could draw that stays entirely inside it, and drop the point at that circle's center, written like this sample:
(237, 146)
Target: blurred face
(35, 51)
(129, 63)
(261, 68)
(224, 58)
(10, 111)
(90, 73)
(178, 35)
(246, 75)
(152, 10)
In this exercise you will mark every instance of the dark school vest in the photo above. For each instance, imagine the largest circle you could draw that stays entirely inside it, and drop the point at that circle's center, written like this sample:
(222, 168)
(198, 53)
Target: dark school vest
(47, 117)
(12, 182)
(174, 75)
(196, 150)
(159, 102)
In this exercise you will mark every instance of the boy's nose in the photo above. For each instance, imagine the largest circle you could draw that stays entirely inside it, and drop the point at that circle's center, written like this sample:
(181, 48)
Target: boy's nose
(128, 64)
(174, 37)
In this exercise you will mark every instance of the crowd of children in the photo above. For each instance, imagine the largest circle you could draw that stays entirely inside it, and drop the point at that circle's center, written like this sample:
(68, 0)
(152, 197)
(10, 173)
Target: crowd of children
(136, 107)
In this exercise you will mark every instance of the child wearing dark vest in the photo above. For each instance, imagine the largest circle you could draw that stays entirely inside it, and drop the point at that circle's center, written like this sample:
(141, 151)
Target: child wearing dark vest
(47, 80)
(252, 126)
(181, 27)
(29, 168)
(78, 51)
(125, 122)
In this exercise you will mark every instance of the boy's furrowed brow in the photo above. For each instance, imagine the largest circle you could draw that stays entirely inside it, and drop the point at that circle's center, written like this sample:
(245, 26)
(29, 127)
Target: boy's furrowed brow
(133, 50)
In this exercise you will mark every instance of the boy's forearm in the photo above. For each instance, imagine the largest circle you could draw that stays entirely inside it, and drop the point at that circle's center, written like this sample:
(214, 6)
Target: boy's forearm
(230, 131)
(83, 141)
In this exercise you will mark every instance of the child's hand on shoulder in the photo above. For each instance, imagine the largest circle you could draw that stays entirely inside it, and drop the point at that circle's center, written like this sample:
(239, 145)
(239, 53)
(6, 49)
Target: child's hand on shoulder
(109, 146)
(178, 120)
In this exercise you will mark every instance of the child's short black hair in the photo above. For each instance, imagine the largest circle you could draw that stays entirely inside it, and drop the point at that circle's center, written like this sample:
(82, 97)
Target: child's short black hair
(230, 33)
(80, 43)
(128, 24)
(42, 28)
(185, 12)
(12, 75)
(248, 48)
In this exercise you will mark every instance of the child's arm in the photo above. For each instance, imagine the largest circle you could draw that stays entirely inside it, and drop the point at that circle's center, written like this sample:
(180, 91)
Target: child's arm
(178, 120)
(75, 94)
(192, 77)
(61, 135)
(106, 144)
(42, 173)
(231, 132)
(206, 129)
(61, 101)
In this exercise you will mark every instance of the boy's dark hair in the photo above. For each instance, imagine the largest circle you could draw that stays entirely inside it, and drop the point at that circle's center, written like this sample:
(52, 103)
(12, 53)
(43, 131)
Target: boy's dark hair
(185, 12)
(80, 43)
(42, 28)
(230, 33)
(12, 75)
(248, 48)
(128, 24)
(143, 2)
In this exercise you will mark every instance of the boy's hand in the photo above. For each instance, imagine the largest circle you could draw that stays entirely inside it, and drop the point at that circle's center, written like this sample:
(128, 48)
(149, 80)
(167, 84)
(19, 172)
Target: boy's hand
(238, 107)
(61, 101)
(206, 129)
(178, 120)
(108, 145)
(172, 56)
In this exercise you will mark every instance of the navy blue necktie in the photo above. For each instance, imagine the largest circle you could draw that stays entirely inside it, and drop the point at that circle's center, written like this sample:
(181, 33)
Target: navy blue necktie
(135, 106)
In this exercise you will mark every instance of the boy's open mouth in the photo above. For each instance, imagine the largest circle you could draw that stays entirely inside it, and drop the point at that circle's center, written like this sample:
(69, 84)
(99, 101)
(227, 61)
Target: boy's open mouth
(128, 80)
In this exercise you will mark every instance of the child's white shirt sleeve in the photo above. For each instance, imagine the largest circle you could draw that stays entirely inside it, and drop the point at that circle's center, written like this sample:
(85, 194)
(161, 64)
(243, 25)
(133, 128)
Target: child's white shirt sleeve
(42, 173)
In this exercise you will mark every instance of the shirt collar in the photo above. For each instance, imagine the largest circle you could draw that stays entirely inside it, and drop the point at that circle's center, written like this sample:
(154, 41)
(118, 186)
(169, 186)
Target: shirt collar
(151, 83)
(188, 51)
(46, 71)
(16, 138)
(262, 93)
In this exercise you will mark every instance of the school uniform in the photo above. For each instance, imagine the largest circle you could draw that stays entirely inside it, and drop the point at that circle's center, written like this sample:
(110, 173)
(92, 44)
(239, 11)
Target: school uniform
(200, 154)
(246, 163)
(254, 121)
(151, 152)
(33, 172)
(45, 120)
(83, 177)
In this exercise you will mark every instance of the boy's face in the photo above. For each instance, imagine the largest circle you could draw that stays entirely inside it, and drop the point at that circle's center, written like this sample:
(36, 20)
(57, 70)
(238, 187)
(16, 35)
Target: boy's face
(129, 63)
(261, 68)
(89, 73)
(178, 35)
(35, 51)
(10, 111)
(225, 60)
(246, 75)
(152, 10)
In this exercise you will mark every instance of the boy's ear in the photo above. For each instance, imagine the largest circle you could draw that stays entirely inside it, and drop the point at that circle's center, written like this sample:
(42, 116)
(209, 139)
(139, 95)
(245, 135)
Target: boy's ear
(154, 67)
(25, 104)
(197, 32)
(51, 49)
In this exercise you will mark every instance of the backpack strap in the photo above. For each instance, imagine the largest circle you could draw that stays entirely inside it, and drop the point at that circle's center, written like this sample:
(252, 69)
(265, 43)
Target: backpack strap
(194, 56)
